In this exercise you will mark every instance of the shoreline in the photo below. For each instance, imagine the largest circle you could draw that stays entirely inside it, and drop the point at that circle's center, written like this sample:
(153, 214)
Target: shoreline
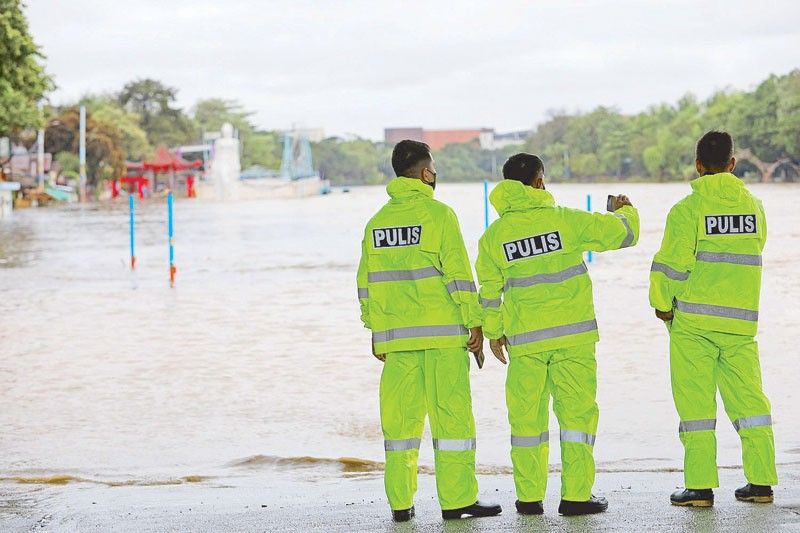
(275, 500)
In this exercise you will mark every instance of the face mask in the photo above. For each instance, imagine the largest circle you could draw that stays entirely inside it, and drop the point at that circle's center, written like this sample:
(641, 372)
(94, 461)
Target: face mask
(431, 183)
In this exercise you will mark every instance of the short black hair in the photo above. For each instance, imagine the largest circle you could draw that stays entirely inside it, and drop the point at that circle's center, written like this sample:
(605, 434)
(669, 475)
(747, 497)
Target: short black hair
(523, 167)
(408, 154)
(715, 150)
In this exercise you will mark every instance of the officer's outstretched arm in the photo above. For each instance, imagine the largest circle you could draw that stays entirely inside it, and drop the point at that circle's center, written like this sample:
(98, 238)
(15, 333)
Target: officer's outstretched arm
(457, 272)
(675, 260)
(608, 231)
(363, 286)
(490, 278)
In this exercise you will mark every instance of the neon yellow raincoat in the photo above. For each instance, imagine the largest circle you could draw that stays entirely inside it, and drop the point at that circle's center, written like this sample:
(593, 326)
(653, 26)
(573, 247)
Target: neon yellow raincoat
(708, 271)
(535, 290)
(418, 297)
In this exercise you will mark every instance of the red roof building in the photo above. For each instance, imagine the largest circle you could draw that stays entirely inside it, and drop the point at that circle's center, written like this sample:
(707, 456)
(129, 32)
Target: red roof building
(436, 139)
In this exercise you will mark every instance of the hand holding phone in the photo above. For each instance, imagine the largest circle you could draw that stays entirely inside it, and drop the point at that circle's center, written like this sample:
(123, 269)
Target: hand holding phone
(615, 202)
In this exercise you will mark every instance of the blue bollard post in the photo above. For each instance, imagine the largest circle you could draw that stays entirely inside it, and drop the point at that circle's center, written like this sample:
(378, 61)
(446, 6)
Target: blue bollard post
(132, 224)
(485, 203)
(589, 208)
(170, 225)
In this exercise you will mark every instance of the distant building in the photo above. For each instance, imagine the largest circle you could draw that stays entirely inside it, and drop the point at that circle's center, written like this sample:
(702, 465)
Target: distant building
(438, 139)
(395, 135)
(501, 140)
(22, 164)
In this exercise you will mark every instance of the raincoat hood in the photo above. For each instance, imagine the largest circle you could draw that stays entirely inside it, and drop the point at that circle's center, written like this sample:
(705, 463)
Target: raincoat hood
(403, 188)
(723, 187)
(511, 195)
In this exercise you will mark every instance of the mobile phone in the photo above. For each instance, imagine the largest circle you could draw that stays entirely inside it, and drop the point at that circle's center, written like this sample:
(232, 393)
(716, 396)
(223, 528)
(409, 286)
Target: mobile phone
(610, 203)
(480, 358)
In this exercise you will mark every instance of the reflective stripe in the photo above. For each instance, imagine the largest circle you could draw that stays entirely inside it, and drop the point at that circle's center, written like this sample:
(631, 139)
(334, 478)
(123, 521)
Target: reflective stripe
(401, 445)
(629, 237)
(552, 277)
(551, 333)
(718, 310)
(403, 275)
(570, 435)
(454, 445)
(491, 302)
(418, 331)
(724, 257)
(697, 425)
(752, 422)
(530, 442)
(363, 293)
(668, 271)
(464, 285)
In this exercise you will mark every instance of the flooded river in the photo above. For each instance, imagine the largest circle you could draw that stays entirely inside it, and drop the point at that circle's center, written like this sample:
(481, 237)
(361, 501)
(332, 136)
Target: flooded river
(257, 358)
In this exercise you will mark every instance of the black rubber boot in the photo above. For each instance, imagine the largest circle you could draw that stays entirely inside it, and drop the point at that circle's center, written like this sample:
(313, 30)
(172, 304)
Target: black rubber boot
(754, 493)
(693, 498)
(403, 515)
(476, 509)
(529, 507)
(592, 506)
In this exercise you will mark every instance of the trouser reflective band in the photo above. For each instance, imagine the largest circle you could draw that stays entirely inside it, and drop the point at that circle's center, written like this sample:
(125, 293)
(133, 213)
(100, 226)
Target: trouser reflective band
(464, 285)
(403, 275)
(570, 435)
(629, 237)
(697, 425)
(363, 293)
(551, 333)
(724, 257)
(530, 442)
(418, 331)
(668, 271)
(752, 421)
(490, 302)
(717, 310)
(401, 445)
(550, 277)
(454, 445)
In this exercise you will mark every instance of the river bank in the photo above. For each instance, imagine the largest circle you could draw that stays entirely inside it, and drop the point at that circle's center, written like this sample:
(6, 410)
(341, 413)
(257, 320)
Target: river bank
(638, 501)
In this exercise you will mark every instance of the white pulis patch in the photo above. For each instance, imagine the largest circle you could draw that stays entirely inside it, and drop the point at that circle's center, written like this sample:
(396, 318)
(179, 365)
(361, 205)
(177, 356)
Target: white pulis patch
(730, 224)
(400, 236)
(532, 246)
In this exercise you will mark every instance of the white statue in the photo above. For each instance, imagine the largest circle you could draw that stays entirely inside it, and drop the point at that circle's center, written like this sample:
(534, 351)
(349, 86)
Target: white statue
(225, 166)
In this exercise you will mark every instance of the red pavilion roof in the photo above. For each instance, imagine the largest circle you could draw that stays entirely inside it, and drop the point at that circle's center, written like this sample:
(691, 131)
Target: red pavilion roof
(163, 161)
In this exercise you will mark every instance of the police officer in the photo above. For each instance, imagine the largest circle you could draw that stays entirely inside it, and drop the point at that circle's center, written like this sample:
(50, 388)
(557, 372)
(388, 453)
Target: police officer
(705, 283)
(537, 298)
(418, 297)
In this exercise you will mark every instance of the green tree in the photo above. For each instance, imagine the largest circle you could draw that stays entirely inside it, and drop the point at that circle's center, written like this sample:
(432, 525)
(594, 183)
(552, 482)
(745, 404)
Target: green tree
(585, 165)
(460, 162)
(153, 102)
(105, 158)
(357, 161)
(212, 113)
(23, 80)
(105, 108)
(263, 148)
(69, 163)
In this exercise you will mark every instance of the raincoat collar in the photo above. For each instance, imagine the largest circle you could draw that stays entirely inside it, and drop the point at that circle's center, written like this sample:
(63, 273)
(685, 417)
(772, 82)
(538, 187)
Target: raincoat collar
(403, 188)
(511, 195)
(724, 186)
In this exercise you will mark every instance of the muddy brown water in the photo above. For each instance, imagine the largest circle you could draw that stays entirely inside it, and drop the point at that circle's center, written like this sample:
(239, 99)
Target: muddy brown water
(257, 361)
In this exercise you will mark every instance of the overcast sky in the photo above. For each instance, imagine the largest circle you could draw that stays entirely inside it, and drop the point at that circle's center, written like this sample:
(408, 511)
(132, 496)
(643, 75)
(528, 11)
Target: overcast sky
(359, 66)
